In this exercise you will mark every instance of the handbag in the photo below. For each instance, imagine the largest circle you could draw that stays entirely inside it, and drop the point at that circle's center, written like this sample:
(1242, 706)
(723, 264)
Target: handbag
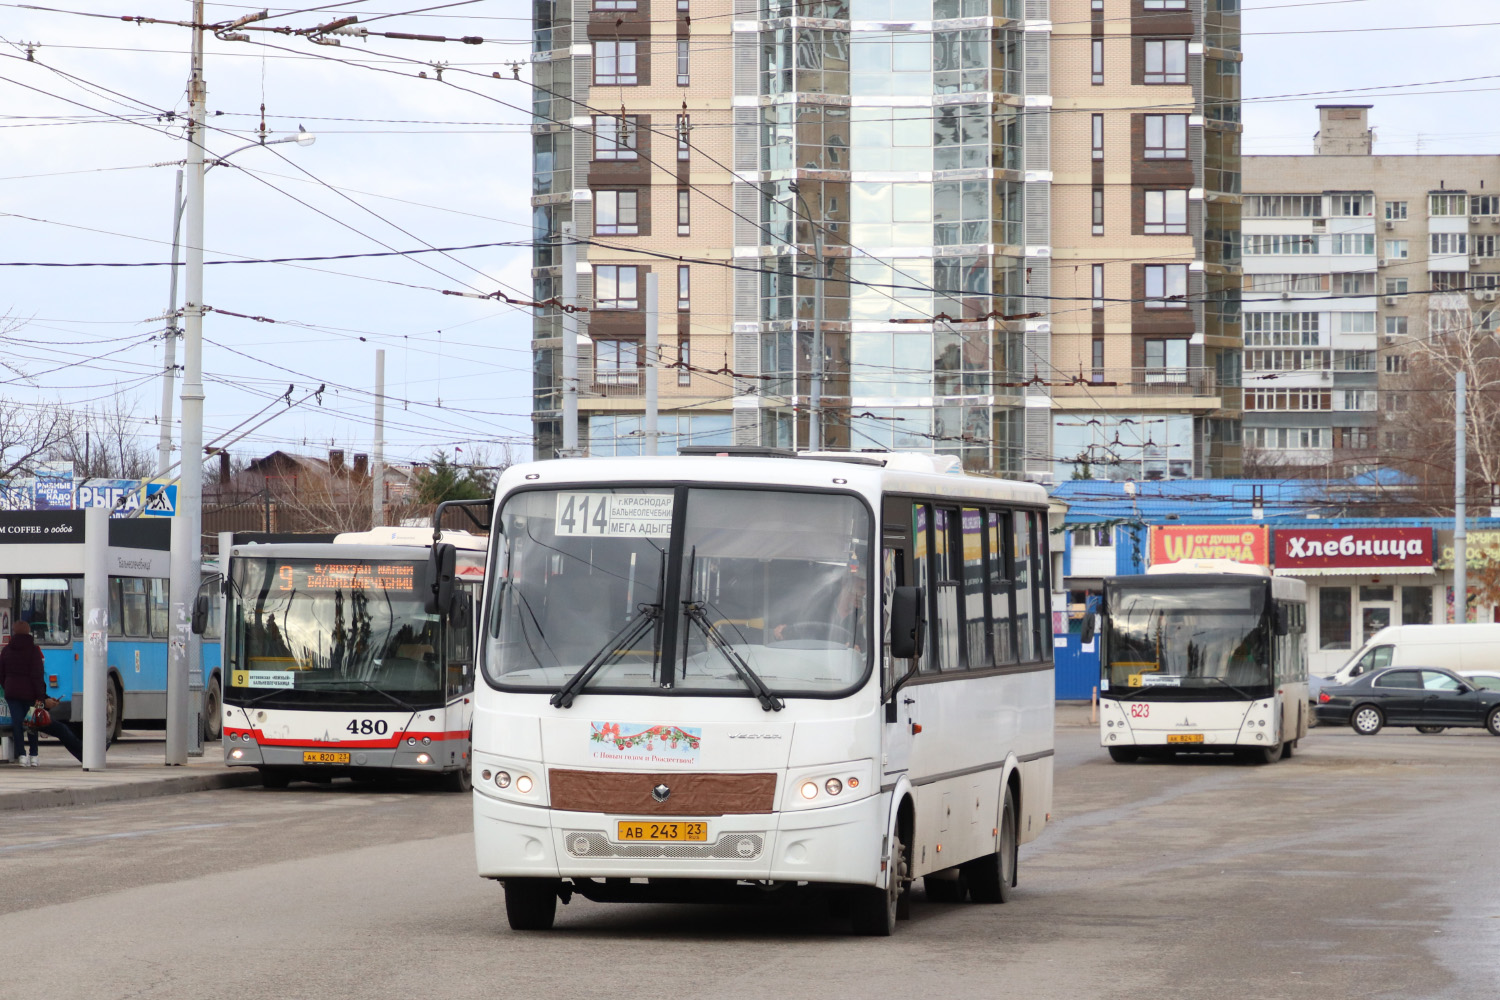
(38, 717)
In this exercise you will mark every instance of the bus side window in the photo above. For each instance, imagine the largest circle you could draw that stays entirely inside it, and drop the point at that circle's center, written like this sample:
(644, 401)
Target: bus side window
(921, 533)
(1002, 585)
(160, 608)
(116, 608)
(136, 614)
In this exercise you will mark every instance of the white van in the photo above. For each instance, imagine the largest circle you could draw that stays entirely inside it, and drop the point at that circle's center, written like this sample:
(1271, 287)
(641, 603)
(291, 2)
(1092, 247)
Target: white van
(1461, 648)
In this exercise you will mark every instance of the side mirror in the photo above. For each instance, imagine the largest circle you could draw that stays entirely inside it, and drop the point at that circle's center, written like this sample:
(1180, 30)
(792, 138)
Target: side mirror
(1280, 621)
(908, 623)
(1090, 625)
(441, 562)
(200, 614)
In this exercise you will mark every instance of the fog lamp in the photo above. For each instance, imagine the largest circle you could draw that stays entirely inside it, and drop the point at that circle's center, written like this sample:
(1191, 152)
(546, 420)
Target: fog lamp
(809, 789)
(236, 753)
(523, 784)
(423, 758)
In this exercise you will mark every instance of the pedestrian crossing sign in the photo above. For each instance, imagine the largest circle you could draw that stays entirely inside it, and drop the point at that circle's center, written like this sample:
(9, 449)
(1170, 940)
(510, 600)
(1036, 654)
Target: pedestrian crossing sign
(161, 500)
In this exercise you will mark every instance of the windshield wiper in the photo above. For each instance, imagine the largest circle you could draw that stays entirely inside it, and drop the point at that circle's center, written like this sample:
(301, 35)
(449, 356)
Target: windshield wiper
(369, 684)
(768, 701)
(618, 642)
(1237, 690)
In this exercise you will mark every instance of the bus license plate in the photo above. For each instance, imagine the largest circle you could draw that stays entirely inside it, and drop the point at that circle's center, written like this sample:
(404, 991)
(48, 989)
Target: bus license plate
(1185, 738)
(324, 757)
(662, 831)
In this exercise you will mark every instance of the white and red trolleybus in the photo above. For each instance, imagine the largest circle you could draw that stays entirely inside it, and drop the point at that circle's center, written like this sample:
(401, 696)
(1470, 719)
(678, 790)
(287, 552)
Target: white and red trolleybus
(353, 657)
(731, 673)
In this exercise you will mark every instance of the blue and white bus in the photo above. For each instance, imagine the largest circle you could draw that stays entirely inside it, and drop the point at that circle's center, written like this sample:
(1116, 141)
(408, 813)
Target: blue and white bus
(41, 583)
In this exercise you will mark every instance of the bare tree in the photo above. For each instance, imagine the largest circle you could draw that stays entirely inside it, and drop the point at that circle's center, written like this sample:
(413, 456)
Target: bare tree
(1417, 423)
(102, 442)
(28, 435)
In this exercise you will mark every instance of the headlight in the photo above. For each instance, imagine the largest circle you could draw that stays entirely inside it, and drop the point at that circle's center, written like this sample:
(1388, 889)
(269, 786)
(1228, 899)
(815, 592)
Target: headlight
(502, 779)
(809, 789)
(833, 786)
(523, 784)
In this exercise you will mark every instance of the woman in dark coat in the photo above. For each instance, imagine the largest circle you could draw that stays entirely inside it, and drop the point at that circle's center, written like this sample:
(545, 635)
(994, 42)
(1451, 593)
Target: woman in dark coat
(23, 678)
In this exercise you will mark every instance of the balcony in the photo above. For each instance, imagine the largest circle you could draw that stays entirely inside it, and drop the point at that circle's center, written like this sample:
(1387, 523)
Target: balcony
(1143, 388)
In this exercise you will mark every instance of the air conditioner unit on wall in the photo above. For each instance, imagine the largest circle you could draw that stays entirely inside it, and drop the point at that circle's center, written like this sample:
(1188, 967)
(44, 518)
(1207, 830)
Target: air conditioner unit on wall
(1286, 296)
(1391, 300)
(1473, 220)
(1475, 261)
(1380, 262)
(1390, 224)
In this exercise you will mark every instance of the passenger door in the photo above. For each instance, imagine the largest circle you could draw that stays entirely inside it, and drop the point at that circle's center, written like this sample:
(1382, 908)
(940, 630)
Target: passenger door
(900, 709)
(1401, 696)
(1445, 706)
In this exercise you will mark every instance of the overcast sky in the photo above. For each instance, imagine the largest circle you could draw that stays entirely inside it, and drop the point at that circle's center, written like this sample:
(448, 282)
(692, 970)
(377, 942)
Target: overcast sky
(403, 163)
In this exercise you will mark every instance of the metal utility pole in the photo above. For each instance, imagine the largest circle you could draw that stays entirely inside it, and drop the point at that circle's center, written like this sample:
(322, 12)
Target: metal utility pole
(569, 342)
(815, 402)
(169, 352)
(187, 543)
(95, 635)
(653, 355)
(1460, 506)
(377, 460)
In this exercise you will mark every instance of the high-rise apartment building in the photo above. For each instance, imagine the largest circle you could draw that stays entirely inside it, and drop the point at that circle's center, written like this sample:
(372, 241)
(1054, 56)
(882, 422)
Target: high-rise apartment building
(1144, 239)
(1353, 260)
(882, 211)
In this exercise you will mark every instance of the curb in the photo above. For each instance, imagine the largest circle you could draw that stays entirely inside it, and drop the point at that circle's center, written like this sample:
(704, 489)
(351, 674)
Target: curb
(46, 798)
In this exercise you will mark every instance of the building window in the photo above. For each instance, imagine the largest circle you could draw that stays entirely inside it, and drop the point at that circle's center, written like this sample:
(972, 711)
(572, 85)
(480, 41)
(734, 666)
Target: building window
(1353, 205)
(1283, 206)
(1281, 329)
(1098, 359)
(615, 138)
(1354, 283)
(684, 129)
(1098, 211)
(1484, 204)
(1395, 326)
(615, 213)
(1395, 211)
(1166, 137)
(682, 6)
(1396, 286)
(1166, 361)
(1096, 61)
(1449, 243)
(1448, 281)
(1166, 286)
(1166, 212)
(684, 287)
(1354, 322)
(1166, 61)
(614, 64)
(682, 212)
(1394, 401)
(1097, 135)
(1346, 244)
(1098, 283)
(1396, 364)
(615, 287)
(1484, 246)
(1416, 605)
(684, 362)
(1261, 245)
(617, 362)
(1096, 5)
(682, 62)
(1447, 204)
(1397, 249)
(1166, 4)
(614, 4)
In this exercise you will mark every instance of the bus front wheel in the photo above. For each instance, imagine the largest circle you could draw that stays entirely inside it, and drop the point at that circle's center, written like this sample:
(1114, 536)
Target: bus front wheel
(1265, 755)
(114, 713)
(1124, 755)
(530, 903)
(875, 910)
(213, 711)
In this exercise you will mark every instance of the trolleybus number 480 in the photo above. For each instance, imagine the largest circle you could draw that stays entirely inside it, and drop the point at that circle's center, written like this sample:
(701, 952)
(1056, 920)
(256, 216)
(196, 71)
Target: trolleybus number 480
(367, 727)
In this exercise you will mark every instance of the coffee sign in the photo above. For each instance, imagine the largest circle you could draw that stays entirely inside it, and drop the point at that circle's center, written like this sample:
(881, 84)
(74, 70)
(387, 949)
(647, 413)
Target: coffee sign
(1389, 550)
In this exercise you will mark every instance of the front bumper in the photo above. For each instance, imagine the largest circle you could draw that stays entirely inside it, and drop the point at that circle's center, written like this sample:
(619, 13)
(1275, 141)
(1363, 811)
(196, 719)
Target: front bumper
(442, 755)
(832, 844)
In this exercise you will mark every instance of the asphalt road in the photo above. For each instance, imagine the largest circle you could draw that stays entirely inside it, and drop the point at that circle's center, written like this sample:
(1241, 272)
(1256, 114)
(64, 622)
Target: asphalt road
(1363, 867)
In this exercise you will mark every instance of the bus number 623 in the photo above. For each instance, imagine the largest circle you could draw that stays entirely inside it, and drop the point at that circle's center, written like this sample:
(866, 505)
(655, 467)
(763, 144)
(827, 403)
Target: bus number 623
(367, 727)
(1140, 710)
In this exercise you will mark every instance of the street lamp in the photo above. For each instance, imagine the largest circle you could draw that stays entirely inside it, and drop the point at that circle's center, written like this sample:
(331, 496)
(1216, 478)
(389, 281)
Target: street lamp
(169, 357)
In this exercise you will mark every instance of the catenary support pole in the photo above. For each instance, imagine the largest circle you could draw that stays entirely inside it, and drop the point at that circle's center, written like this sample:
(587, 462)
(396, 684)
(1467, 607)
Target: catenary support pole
(95, 634)
(815, 402)
(653, 356)
(1460, 504)
(187, 543)
(377, 460)
(169, 346)
(569, 344)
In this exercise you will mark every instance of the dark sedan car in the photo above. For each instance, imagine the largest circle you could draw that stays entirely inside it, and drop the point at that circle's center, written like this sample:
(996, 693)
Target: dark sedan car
(1409, 696)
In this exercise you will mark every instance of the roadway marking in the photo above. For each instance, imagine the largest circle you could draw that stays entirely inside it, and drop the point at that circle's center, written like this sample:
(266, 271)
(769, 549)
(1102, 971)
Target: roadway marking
(43, 845)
